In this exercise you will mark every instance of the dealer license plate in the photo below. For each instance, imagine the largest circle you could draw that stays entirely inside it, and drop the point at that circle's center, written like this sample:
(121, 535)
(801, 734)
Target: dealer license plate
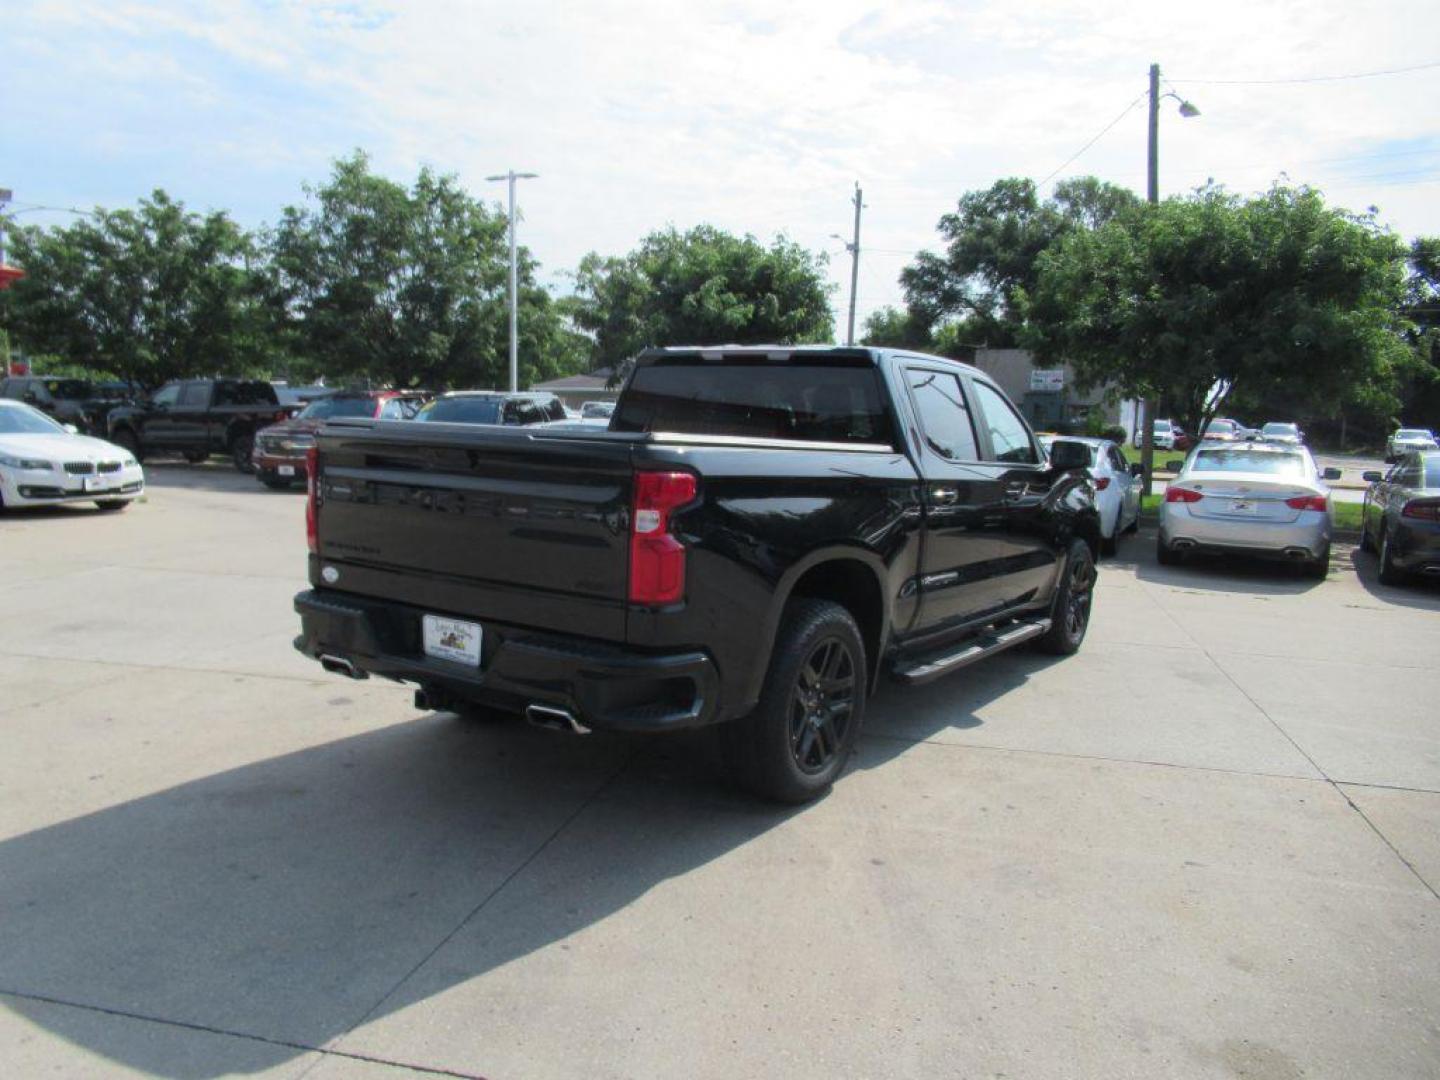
(1242, 508)
(286, 470)
(452, 639)
(93, 483)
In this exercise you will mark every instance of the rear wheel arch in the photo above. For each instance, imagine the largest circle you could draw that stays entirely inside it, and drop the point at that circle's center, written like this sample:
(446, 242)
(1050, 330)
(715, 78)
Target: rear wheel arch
(852, 578)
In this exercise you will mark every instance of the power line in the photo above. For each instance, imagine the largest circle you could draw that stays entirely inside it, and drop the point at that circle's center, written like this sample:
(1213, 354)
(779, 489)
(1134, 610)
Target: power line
(1123, 113)
(1309, 79)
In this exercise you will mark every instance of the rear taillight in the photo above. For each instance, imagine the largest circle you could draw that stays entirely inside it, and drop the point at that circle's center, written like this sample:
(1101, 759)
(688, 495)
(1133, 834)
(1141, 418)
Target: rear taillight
(1175, 494)
(657, 559)
(1422, 510)
(1308, 502)
(1101, 483)
(312, 500)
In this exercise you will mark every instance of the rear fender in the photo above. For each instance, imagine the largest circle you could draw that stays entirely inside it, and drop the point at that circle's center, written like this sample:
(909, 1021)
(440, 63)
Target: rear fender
(876, 637)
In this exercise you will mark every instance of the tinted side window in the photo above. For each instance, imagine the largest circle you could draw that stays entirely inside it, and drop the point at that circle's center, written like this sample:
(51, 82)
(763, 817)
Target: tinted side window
(195, 395)
(1117, 461)
(394, 409)
(555, 409)
(1009, 438)
(944, 416)
(167, 394)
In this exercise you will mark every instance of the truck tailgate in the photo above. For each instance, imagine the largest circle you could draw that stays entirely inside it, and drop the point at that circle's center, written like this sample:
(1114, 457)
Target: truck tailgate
(489, 523)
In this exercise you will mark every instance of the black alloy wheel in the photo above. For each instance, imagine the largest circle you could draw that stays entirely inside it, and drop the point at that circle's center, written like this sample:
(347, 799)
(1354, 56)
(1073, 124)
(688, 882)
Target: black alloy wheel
(1070, 616)
(822, 704)
(799, 737)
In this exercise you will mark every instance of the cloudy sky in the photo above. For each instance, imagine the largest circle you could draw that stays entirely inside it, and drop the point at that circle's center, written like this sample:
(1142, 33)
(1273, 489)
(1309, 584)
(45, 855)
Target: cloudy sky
(757, 117)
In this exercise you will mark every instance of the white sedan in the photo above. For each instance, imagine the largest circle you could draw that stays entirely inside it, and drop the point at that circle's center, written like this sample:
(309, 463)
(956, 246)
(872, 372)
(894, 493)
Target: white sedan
(1117, 488)
(43, 464)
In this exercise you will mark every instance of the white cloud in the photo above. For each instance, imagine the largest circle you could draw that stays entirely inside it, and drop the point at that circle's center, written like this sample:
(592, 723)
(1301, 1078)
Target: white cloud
(755, 116)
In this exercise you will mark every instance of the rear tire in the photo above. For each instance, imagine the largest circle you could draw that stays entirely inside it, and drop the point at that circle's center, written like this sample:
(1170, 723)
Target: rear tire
(1110, 544)
(1390, 574)
(797, 741)
(1070, 614)
(1366, 542)
(1165, 555)
(1318, 568)
(240, 451)
(195, 457)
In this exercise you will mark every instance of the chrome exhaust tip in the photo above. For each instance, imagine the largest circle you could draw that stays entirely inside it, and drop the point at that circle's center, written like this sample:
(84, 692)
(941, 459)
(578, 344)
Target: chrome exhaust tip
(548, 716)
(338, 665)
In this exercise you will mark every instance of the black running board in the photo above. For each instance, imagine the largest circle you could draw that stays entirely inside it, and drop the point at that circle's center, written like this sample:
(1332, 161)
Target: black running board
(933, 665)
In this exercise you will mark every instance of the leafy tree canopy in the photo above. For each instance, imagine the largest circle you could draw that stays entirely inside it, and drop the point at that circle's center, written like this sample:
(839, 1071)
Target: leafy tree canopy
(410, 286)
(993, 240)
(699, 287)
(151, 294)
(1274, 297)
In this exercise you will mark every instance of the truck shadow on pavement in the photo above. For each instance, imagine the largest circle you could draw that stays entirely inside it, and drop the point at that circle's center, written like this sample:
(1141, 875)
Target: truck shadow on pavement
(216, 475)
(293, 899)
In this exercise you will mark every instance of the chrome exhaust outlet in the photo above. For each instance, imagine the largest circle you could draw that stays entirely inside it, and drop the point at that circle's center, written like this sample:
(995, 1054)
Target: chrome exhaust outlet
(1297, 553)
(338, 665)
(547, 716)
(1431, 571)
(1183, 545)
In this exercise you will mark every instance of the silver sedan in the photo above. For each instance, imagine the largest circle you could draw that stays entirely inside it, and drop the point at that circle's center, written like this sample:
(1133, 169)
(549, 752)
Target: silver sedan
(1255, 498)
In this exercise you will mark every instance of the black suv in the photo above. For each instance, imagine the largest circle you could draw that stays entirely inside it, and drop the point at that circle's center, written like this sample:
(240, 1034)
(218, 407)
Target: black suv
(80, 402)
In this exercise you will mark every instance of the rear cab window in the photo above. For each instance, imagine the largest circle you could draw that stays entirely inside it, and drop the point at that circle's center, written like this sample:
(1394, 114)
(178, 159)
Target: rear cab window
(1251, 461)
(802, 399)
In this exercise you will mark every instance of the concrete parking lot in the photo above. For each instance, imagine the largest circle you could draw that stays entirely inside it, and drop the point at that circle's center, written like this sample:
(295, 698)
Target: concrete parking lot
(1207, 846)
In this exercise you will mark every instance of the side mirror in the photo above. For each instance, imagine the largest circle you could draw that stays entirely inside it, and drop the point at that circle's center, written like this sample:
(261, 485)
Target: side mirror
(72, 429)
(1330, 474)
(1175, 464)
(1372, 476)
(1136, 469)
(1065, 454)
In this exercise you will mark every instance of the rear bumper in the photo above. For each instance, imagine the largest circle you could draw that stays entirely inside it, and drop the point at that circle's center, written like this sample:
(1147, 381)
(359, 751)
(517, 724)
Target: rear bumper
(606, 687)
(1306, 537)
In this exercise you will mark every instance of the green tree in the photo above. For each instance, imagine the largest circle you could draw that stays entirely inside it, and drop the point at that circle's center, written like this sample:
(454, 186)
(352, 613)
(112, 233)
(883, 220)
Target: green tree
(408, 287)
(992, 242)
(702, 286)
(892, 328)
(1202, 298)
(1420, 394)
(151, 294)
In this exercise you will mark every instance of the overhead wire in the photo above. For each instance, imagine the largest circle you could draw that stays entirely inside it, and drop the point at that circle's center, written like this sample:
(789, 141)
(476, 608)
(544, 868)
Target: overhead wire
(1099, 135)
(1308, 78)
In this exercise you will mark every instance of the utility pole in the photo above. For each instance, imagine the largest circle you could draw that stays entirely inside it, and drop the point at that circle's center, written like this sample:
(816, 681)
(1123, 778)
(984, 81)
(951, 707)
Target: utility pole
(854, 266)
(1152, 194)
(510, 177)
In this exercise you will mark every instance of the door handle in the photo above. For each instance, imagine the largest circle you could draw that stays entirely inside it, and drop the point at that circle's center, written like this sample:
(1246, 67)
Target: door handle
(1016, 489)
(944, 496)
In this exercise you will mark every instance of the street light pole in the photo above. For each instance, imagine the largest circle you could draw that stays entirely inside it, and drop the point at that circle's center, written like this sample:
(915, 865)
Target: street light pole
(510, 177)
(1152, 194)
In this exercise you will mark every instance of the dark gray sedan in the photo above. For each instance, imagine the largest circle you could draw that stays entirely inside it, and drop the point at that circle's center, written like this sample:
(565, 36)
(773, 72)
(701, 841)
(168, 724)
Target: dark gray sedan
(1402, 518)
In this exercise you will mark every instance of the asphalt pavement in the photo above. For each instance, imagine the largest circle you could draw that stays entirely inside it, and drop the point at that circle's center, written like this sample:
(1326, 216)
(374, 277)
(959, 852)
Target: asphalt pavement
(1206, 846)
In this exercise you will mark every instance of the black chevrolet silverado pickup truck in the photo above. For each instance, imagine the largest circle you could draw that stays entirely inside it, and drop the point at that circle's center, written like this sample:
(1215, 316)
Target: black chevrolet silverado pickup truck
(759, 536)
